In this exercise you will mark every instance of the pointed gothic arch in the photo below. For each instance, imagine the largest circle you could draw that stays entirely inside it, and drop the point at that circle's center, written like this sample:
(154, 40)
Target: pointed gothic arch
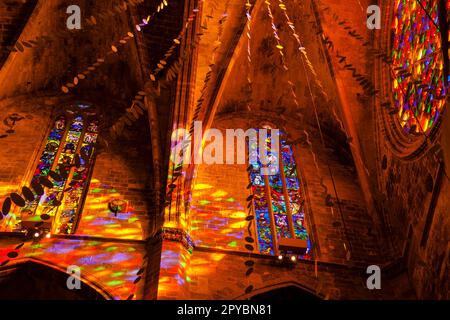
(39, 280)
(289, 290)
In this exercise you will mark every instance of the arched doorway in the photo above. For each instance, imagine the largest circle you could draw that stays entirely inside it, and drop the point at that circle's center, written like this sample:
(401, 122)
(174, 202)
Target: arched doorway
(31, 280)
(286, 293)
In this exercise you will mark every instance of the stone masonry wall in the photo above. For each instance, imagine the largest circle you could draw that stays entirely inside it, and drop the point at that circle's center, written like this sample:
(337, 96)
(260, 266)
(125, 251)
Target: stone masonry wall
(109, 249)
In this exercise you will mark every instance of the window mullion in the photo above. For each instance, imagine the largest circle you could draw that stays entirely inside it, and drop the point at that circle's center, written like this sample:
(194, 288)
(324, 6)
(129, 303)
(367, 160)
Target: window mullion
(271, 215)
(71, 172)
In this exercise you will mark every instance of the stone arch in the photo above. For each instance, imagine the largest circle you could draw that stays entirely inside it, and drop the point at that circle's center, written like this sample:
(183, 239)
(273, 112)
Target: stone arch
(275, 290)
(36, 279)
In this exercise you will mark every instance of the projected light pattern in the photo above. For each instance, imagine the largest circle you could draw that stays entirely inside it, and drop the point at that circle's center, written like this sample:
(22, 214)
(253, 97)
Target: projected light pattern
(285, 181)
(174, 268)
(418, 69)
(217, 218)
(175, 198)
(178, 269)
(114, 266)
(99, 221)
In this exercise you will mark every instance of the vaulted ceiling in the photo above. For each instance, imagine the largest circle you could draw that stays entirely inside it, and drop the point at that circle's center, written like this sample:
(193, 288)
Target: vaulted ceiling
(13, 17)
(46, 67)
(45, 64)
(224, 53)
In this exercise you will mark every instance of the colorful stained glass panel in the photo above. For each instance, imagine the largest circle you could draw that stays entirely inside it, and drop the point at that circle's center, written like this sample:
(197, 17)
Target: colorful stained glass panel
(62, 202)
(73, 197)
(281, 209)
(418, 70)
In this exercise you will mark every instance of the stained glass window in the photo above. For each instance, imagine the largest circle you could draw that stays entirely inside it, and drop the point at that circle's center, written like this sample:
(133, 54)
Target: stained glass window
(418, 68)
(68, 137)
(281, 190)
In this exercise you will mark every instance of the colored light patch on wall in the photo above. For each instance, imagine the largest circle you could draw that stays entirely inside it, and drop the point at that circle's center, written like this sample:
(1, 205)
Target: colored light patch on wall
(174, 270)
(99, 221)
(178, 269)
(115, 270)
(216, 221)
